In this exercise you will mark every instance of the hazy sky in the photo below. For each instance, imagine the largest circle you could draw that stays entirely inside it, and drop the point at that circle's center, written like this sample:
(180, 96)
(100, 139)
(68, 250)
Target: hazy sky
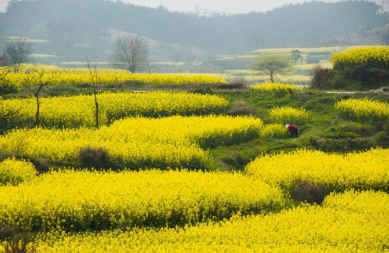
(228, 6)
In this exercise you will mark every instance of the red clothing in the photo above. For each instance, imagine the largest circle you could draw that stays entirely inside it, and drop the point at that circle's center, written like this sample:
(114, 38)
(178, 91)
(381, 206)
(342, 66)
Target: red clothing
(291, 128)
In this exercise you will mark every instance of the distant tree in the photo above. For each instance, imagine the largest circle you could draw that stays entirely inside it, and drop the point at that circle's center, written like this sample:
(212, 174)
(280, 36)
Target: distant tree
(385, 37)
(18, 52)
(296, 55)
(130, 53)
(272, 65)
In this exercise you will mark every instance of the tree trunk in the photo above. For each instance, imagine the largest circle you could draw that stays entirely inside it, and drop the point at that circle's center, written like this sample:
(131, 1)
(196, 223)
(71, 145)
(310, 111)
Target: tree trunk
(37, 111)
(97, 112)
(271, 78)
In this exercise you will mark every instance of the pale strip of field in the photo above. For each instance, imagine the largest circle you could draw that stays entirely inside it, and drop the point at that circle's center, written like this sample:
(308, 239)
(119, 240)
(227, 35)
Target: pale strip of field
(262, 78)
(305, 50)
(323, 64)
(43, 56)
(82, 63)
(14, 38)
(167, 63)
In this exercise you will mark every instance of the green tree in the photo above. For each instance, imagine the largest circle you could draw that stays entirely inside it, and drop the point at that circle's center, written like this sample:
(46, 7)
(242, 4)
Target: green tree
(272, 65)
(296, 55)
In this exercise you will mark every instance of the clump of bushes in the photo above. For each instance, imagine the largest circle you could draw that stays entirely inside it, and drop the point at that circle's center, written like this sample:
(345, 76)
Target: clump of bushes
(309, 193)
(237, 84)
(242, 109)
(97, 158)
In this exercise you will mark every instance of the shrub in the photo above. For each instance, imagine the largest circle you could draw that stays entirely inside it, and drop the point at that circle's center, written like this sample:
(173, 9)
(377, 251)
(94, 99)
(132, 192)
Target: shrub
(40, 163)
(95, 158)
(309, 193)
(237, 84)
(242, 109)
(321, 78)
(203, 89)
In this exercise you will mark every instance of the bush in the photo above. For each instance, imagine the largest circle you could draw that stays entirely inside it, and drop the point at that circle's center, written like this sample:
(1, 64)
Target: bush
(242, 109)
(97, 158)
(342, 145)
(321, 78)
(237, 84)
(15, 241)
(40, 164)
(382, 140)
(203, 89)
(309, 193)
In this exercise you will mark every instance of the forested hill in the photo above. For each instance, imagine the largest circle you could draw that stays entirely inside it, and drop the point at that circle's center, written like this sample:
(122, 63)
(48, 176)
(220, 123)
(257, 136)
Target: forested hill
(86, 22)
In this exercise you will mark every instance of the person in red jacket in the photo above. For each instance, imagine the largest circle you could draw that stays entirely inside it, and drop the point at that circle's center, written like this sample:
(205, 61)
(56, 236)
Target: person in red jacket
(293, 130)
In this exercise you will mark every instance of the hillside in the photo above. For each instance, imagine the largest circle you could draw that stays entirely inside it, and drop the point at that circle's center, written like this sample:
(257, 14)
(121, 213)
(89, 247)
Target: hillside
(83, 27)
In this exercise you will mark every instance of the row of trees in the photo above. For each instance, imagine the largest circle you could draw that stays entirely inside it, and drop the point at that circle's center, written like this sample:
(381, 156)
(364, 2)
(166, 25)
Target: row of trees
(130, 53)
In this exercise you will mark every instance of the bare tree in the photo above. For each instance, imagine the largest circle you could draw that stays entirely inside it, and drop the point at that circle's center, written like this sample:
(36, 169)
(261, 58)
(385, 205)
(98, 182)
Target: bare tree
(18, 52)
(130, 53)
(34, 82)
(96, 88)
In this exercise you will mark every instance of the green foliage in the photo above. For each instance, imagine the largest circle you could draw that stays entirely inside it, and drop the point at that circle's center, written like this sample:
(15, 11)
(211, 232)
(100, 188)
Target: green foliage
(272, 65)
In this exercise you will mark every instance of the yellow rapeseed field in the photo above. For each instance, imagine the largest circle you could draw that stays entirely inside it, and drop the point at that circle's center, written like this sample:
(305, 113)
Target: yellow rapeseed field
(107, 77)
(375, 57)
(14, 172)
(77, 111)
(363, 110)
(138, 142)
(278, 131)
(289, 115)
(275, 87)
(27, 67)
(350, 222)
(88, 201)
(333, 172)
